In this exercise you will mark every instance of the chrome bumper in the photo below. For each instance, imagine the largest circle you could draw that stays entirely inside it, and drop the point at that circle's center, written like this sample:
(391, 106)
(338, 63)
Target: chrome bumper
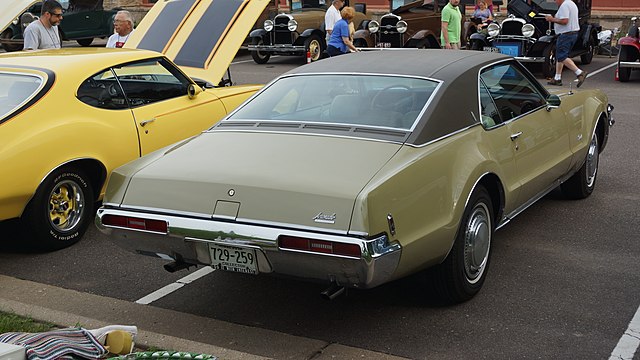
(277, 48)
(188, 240)
(530, 59)
(629, 64)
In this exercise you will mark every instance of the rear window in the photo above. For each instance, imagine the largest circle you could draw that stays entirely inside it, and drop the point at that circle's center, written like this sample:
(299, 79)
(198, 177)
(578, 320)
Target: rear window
(16, 90)
(361, 100)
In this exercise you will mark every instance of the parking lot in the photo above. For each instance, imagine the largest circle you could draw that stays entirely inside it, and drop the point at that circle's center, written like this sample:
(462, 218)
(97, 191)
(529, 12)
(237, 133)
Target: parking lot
(564, 279)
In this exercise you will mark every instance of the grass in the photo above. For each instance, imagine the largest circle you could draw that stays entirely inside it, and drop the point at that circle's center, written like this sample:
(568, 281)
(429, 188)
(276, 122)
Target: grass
(16, 323)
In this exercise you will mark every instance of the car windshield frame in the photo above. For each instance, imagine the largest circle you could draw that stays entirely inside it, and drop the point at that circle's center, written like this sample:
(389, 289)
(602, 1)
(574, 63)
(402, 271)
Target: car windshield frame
(13, 89)
(238, 116)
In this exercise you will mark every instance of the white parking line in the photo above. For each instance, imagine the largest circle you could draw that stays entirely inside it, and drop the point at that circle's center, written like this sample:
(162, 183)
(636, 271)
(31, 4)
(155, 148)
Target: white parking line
(629, 342)
(602, 69)
(160, 293)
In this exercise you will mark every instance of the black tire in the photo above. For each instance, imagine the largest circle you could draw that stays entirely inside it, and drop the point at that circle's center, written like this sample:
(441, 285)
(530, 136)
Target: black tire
(582, 183)
(61, 210)
(476, 45)
(85, 42)
(463, 272)
(315, 46)
(258, 56)
(549, 64)
(625, 55)
(8, 34)
(587, 57)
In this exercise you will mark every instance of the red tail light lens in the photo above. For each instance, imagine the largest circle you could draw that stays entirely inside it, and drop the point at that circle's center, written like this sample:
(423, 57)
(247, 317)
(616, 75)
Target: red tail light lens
(319, 246)
(135, 223)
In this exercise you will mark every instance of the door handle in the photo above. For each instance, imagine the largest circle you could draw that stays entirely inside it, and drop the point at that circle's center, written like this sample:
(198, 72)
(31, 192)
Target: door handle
(515, 136)
(145, 122)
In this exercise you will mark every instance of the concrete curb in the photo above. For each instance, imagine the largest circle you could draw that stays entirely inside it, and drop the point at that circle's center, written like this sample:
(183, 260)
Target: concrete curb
(166, 329)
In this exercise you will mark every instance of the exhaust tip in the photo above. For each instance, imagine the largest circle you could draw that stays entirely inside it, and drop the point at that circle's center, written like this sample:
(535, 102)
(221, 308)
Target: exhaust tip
(332, 292)
(176, 265)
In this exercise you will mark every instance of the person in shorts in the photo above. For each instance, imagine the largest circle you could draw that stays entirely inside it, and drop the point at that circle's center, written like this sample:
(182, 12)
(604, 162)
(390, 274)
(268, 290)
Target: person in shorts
(567, 28)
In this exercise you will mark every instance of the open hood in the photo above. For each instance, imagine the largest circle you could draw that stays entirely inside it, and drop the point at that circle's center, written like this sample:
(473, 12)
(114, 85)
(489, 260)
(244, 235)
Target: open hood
(201, 36)
(12, 9)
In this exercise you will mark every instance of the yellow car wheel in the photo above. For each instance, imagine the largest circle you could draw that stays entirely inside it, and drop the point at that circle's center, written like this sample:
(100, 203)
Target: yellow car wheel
(61, 210)
(463, 272)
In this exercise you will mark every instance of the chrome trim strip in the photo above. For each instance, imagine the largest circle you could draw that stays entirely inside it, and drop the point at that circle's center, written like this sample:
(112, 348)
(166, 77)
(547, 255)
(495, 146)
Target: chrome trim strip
(443, 137)
(275, 47)
(631, 64)
(310, 134)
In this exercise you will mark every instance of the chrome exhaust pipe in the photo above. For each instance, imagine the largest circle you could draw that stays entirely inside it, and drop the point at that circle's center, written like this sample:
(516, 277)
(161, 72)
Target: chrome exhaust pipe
(332, 292)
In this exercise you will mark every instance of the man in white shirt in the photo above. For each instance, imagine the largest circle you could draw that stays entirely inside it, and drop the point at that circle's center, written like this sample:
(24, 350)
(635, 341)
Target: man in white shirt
(567, 28)
(123, 26)
(332, 16)
(43, 33)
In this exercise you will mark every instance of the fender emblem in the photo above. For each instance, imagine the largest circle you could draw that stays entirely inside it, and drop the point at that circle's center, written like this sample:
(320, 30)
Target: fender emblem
(325, 218)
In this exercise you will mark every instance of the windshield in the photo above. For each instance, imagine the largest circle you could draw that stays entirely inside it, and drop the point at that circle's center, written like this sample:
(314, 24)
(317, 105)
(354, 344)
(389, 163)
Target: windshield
(360, 100)
(16, 90)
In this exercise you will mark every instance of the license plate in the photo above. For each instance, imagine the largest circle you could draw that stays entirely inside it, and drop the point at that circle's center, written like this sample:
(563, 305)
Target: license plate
(232, 258)
(384, 45)
(491, 49)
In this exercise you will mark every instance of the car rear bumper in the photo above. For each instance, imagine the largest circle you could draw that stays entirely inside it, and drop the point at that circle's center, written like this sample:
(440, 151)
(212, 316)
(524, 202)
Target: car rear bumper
(188, 240)
(629, 64)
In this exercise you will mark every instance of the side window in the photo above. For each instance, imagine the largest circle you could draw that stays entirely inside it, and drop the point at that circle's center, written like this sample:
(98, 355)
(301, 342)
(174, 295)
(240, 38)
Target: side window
(511, 91)
(489, 116)
(151, 81)
(102, 91)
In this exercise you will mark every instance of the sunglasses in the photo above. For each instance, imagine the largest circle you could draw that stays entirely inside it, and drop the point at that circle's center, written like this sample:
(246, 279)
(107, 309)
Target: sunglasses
(56, 14)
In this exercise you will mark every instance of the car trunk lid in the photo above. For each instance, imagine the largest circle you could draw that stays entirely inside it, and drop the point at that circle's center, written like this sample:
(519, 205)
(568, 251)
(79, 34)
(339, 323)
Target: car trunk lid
(309, 180)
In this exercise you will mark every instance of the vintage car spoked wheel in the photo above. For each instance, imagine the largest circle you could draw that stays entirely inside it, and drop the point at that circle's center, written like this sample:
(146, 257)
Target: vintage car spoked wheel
(6, 35)
(624, 73)
(258, 56)
(315, 47)
(549, 64)
(61, 209)
(582, 183)
(464, 270)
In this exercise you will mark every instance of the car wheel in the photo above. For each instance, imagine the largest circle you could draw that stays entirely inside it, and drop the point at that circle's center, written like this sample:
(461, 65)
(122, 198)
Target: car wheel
(61, 209)
(85, 42)
(476, 45)
(624, 73)
(315, 46)
(549, 64)
(6, 35)
(587, 57)
(582, 183)
(463, 272)
(258, 56)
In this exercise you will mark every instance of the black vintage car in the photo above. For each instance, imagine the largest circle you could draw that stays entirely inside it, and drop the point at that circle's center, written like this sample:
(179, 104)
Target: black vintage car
(83, 21)
(527, 36)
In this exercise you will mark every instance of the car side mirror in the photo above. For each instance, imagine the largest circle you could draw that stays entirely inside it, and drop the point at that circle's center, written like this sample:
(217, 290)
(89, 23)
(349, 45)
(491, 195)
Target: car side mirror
(553, 102)
(193, 90)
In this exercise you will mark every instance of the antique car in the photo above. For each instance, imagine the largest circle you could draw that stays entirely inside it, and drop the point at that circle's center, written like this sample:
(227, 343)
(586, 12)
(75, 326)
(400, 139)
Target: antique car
(357, 176)
(629, 56)
(83, 21)
(70, 116)
(297, 33)
(527, 36)
(415, 24)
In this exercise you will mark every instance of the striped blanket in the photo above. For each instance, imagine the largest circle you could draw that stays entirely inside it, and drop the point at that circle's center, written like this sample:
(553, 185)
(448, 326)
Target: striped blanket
(69, 343)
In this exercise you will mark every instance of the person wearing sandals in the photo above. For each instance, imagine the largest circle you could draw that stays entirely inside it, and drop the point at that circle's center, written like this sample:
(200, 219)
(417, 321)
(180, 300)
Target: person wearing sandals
(567, 28)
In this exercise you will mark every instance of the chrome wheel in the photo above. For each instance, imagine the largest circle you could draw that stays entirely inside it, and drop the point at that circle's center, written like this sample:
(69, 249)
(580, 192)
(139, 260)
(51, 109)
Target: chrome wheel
(477, 242)
(592, 161)
(66, 205)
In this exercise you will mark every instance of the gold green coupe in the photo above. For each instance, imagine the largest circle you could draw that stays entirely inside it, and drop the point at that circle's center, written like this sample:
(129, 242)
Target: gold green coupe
(355, 175)
(70, 116)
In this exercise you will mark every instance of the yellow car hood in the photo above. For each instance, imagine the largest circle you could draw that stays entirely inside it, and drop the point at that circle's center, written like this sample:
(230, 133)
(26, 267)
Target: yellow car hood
(12, 9)
(200, 36)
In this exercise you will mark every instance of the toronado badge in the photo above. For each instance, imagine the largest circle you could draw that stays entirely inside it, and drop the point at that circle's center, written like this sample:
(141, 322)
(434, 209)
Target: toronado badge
(325, 218)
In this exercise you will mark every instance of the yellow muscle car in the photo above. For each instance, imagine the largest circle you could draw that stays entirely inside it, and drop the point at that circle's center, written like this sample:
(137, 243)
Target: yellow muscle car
(358, 175)
(70, 116)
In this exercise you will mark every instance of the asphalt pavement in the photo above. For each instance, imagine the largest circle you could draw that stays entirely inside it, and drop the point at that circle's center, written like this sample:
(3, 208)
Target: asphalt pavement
(165, 329)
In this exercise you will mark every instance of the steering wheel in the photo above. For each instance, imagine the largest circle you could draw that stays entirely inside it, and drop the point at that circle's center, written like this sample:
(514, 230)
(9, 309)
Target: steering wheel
(112, 90)
(375, 102)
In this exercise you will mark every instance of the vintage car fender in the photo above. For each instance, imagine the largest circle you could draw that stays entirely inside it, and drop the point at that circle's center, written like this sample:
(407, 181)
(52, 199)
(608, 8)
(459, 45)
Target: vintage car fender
(307, 34)
(538, 47)
(363, 35)
(258, 33)
(629, 41)
(479, 37)
(423, 38)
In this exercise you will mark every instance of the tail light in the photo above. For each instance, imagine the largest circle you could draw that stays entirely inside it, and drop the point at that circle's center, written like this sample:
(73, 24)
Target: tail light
(319, 246)
(135, 223)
